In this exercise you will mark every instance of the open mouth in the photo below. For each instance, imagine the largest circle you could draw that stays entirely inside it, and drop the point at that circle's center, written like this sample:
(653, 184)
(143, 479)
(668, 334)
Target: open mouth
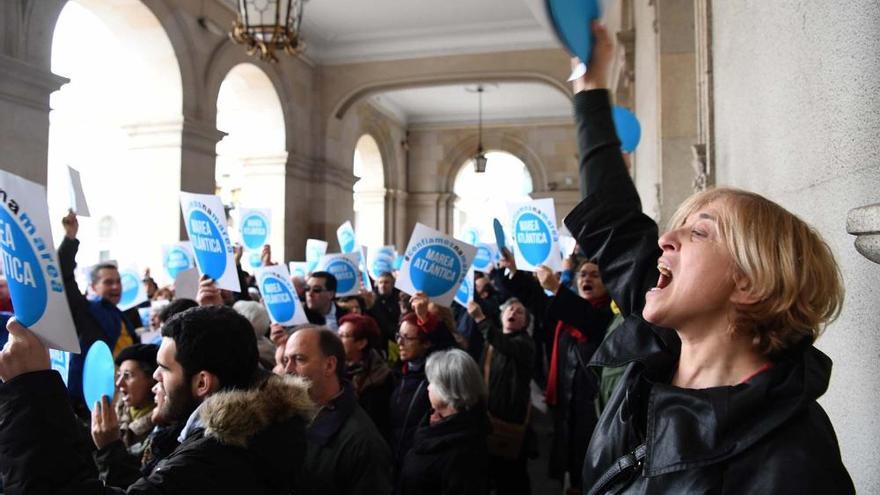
(665, 277)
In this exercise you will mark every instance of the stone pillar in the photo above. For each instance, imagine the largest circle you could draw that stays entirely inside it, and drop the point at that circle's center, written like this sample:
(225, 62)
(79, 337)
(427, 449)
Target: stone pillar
(198, 156)
(395, 219)
(265, 186)
(24, 117)
(371, 205)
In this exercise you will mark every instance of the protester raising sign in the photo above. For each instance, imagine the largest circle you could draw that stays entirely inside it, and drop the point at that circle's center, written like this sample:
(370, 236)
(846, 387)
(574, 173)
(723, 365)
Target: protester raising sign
(133, 290)
(31, 265)
(315, 248)
(485, 257)
(279, 296)
(435, 264)
(254, 230)
(380, 260)
(536, 240)
(345, 268)
(206, 227)
(465, 293)
(177, 257)
(345, 236)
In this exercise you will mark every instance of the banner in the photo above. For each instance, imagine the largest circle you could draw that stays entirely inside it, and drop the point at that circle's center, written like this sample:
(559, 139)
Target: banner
(345, 268)
(345, 236)
(536, 240)
(315, 248)
(435, 264)
(77, 196)
(177, 257)
(31, 264)
(279, 296)
(465, 292)
(133, 290)
(205, 221)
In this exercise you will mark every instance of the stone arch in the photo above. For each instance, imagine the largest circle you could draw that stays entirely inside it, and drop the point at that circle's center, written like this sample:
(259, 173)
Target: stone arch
(493, 140)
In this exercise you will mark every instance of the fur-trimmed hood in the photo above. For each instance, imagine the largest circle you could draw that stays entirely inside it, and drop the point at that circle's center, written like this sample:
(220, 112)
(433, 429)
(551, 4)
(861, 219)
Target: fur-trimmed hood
(235, 417)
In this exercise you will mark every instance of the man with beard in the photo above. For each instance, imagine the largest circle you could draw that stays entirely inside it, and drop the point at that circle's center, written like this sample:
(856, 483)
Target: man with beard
(242, 433)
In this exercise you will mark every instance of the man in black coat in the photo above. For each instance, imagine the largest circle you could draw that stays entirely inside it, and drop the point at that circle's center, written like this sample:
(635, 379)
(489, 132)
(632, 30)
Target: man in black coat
(345, 454)
(236, 439)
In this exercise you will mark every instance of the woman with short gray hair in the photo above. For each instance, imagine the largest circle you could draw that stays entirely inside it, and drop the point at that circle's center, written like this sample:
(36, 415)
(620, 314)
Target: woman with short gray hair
(449, 453)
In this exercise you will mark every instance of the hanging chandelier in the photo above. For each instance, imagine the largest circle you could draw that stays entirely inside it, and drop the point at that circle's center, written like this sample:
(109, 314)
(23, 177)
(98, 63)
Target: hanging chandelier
(267, 26)
(480, 157)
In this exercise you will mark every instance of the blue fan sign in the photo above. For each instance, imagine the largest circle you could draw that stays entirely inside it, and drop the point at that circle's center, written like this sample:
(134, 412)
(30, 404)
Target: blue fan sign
(628, 128)
(208, 241)
(278, 298)
(464, 291)
(22, 252)
(533, 235)
(483, 259)
(345, 273)
(176, 261)
(130, 287)
(98, 374)
(254, 230)
(436, 268)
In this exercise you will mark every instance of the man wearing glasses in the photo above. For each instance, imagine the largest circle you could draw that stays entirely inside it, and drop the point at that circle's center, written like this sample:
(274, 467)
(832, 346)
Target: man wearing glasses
(321, 307)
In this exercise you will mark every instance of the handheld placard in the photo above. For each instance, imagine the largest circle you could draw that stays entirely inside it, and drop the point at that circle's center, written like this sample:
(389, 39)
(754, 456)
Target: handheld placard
(279, 296)
(533, 224)
(572, 22)
(381, 260)
(77, 197)
(205, 221)
(133, 290)
(628, 128)
(500, 240)
(298, 269)
(435, 264)
(60, 362)
(177, 257)
(315, 248)
(484, 258)
(346, 238)
(186, 284)
(465, 292)
(254, 227)
(98, 374)
(345, 268)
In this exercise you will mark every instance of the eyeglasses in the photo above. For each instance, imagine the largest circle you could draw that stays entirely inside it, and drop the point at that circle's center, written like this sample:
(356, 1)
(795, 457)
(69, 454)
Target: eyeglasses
(342, 335)
(316, 289)
(403, 338)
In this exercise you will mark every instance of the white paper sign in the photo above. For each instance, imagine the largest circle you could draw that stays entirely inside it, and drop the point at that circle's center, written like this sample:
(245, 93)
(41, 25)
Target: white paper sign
(177, 257)
(299, 269)
(31, 264)
(254, 229)
(77, 196)
(567, 244)
(345, 236)
(434, 263)
(60, 362)
(346, 270)
(186, 284)
(279, 296)
(315, 248)
(206, 226)
(536, 240)
(465, 293)
(133, 290)
(485, 257)
(362, 264)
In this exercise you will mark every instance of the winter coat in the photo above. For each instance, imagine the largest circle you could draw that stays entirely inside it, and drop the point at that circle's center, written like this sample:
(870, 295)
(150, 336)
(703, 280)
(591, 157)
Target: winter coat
(510, 371)
(345, 453)
(373, 383)
(450, 457)
(118, 467)
(766, 435)
(409, 404)
(253, 441)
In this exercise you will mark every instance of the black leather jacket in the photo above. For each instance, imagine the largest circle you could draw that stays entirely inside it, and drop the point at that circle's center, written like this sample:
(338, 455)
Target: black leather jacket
(767, 435)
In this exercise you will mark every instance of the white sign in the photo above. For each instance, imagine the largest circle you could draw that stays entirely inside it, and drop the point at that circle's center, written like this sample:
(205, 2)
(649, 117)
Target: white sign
(254, 228)
(133, 290)
(465, 293)
(279, 296)
(435, 264)
(186, 284)
(381, 260)
(206, 226)
(485, 257)
(60, 362)
(567, 244)
(362, 264)
(77, 196)
(31, 264)
(177, 257)
(345, 268)
(345, 236)
(299, 269)
(536, 240)
(315, 248)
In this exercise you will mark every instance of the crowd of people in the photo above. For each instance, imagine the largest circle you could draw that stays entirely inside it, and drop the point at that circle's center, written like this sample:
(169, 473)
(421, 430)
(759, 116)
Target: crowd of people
(692, 374)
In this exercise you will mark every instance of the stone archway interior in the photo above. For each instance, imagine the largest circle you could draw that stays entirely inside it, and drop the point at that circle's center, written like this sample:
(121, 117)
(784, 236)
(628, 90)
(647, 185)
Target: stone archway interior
(369, 192)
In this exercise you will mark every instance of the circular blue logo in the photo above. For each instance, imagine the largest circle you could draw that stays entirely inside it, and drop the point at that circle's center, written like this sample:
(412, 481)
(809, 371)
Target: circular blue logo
(435, 270)
(278, 298)
(533, 238)
(471, 236)
(255, 259)
(380, 266)
(483, 258)
(464, 291)
(254, 231)
(23, 272)
(207, 242)
(346, 241)
(176, 261)
(346, 277)
(130, 285)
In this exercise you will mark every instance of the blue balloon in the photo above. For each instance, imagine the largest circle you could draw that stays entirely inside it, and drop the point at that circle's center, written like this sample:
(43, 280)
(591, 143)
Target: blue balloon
(628, 128)
(254, 231)
(435, 270)
(278, 298)
(130, 286)
(345, 273)
(533, 238)
(208, 244)
(98, 374)
(572, 21)
(24, 273)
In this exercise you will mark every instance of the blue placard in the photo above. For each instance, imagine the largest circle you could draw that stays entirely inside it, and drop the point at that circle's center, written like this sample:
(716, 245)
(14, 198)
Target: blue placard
(435, 270)
(628, 128)
(500, 240)
(208, 243)
(277, 298)
(483, 259)
(398, 262)
(345, 236)
(177, 259)
(131, 284)
(255, 259)
(98, 374)
(24, 274)
(533, 238)
(572, 21)
(345, 273)
(60, 362)
(254, 230)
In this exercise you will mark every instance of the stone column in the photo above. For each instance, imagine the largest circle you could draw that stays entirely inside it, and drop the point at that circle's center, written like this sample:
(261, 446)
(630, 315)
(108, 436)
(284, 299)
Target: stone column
(265, 186)
(372, 206)
(198, 156)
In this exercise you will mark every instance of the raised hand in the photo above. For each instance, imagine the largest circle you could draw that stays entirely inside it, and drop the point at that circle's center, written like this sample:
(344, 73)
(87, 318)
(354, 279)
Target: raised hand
(209, 294)
(237, 251)
(507, 261)
(547, 279)
(71, 225)
(419, 303)
(23, 353)
(105, 423)
(266, 255)
(600, 63)
(369, 297)
(475, 311)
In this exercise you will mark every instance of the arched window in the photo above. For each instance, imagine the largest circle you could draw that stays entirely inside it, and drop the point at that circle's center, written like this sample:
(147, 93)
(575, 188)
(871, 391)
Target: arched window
(483, 196)
(369, 192)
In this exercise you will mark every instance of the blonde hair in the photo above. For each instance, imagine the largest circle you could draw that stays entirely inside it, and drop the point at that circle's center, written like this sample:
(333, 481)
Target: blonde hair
(790, 269)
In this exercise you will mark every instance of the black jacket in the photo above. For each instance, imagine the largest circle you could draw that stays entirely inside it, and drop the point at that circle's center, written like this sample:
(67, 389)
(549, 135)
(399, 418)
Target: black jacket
(253, 442)
(767, 435)
(510, 371)
(409, 404)
(450, 457)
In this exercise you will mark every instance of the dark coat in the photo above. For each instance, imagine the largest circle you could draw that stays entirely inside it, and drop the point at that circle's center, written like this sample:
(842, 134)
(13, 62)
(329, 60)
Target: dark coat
(409, 404)
(450, 457)
(510, 372)
(373, 383)
(253, 442)
(767, 435)
(345, 453)
(118, 467)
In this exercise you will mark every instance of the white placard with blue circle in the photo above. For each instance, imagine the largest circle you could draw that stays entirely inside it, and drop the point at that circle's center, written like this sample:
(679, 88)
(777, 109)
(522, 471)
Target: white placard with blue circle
(485, 257)
(279, 296)
(315, 248)
(536, 239)
(99, 374)
(381, 260)
(345, 268)
(365, 274)
(60, 362)
(345, 236)
(254, 227)
(177, 257)
(31, 264)
(206, 226)
(298, 269)
(434, 263)
(465, 293)
(133, 290)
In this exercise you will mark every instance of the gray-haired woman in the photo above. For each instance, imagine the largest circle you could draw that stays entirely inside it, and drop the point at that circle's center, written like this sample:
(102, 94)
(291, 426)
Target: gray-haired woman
(449, 453)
